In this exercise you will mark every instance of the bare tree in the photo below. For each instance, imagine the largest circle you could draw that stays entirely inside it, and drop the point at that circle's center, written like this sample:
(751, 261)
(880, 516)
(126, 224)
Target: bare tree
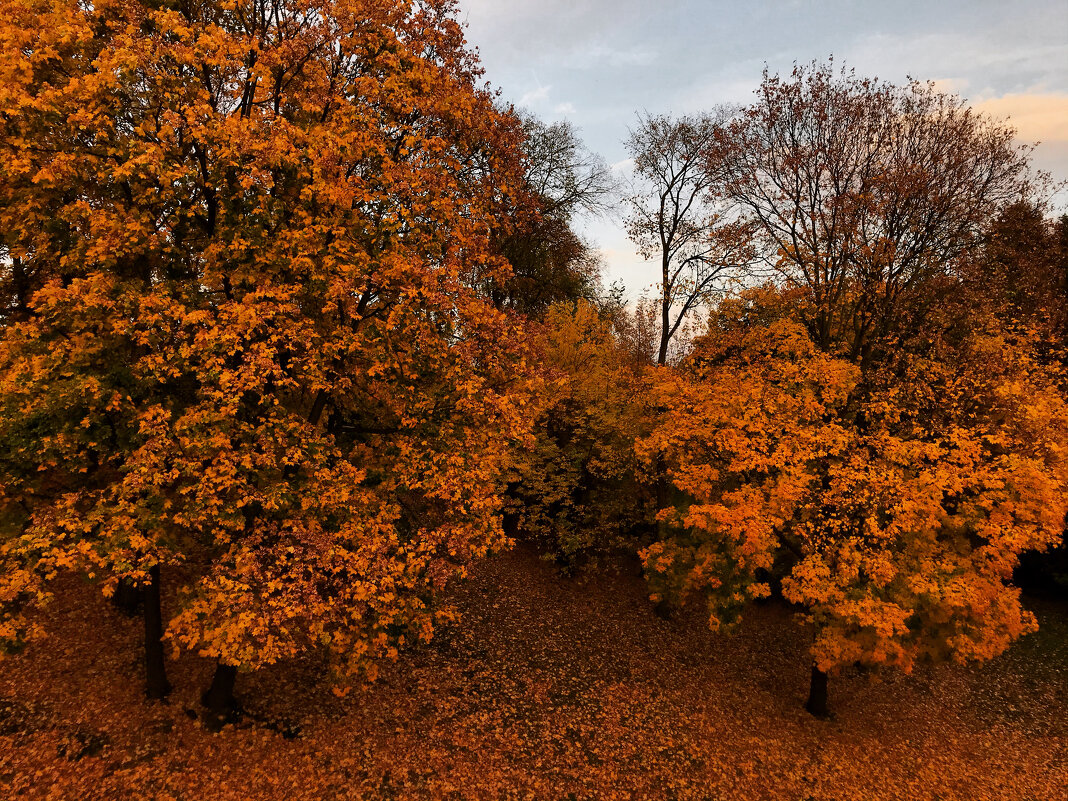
(867, 195)
(674, 216)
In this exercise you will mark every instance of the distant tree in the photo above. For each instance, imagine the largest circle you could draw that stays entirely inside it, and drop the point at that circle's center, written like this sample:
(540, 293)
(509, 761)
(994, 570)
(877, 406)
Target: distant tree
(900, 450)
(579, 492)
(562, 172)
(245, 326)
(550, 262)
(674, 217)
(872, 197)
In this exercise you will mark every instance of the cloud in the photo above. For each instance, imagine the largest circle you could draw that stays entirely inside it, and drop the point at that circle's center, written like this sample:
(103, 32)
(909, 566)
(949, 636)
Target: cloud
(956, 59)
(564, 108)
(599, 54)
(951, 86)
(1036, 117)
(535, 97)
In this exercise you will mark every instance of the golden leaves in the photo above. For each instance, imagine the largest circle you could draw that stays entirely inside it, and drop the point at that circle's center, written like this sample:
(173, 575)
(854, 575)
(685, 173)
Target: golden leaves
(255, 342)
(898, 527)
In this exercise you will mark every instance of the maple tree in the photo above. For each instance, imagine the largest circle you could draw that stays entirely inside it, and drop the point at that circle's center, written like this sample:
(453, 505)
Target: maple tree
(248, 243)
(1021, 277)
(893, 505)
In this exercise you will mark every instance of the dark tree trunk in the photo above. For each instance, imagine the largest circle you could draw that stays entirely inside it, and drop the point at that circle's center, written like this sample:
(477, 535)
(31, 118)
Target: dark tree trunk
(318, 407)
(128, 597)
(817, 694)
(157, 685)
(665, 332)
(219, 701)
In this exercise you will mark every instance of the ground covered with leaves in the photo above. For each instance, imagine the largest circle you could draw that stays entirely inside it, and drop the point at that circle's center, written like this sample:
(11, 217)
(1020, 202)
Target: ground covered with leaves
(551, 688)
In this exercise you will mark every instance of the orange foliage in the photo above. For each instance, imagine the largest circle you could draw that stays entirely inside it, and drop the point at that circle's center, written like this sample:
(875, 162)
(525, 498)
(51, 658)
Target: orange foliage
(252, 341)
(894, 506)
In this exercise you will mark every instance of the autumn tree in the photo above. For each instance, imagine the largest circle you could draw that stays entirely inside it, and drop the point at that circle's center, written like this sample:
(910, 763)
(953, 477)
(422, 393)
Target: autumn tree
(893, 505)
(742, 423)
(1022, 270)
(675, 217)
(245, 329)
(870, 196)
(550, 261)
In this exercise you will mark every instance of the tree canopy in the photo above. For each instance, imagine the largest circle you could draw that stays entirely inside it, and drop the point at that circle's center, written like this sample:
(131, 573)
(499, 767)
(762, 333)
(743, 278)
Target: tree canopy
(246, 332)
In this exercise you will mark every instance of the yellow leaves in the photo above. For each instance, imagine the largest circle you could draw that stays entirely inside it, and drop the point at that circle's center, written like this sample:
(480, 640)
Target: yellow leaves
(898, 526)
(227, 259)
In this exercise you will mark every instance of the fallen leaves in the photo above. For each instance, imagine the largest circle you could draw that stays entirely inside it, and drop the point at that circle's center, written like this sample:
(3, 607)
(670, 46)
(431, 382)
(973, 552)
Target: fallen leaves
(551, 689)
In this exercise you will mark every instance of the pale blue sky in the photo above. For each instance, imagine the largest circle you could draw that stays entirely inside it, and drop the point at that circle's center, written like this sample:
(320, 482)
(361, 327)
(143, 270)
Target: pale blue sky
(597, 62)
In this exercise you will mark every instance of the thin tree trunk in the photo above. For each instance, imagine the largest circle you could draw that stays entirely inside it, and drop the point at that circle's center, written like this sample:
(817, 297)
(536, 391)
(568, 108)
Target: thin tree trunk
(817, 693)
(665, 326)
(219, 699)
(157, 685)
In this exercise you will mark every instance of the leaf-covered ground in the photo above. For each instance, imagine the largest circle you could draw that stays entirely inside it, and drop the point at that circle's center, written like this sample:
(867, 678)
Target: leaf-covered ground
(552, 688)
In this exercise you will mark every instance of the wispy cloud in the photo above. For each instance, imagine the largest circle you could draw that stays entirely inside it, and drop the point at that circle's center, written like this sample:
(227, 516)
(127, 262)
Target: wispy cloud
(535, 97)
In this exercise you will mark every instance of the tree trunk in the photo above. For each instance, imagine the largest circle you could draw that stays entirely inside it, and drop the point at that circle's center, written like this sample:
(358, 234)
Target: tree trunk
(665, 332)
(157, 685)
(219, 701)
(665, 311)
(817, 694)
(128, 597)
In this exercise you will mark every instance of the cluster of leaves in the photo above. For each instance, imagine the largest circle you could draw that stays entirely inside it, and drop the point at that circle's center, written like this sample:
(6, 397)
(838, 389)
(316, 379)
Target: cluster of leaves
(580, 490)
(245, 329)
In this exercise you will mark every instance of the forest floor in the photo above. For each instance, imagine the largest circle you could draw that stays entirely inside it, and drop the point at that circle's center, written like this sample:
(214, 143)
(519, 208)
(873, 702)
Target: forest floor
(552, 688)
